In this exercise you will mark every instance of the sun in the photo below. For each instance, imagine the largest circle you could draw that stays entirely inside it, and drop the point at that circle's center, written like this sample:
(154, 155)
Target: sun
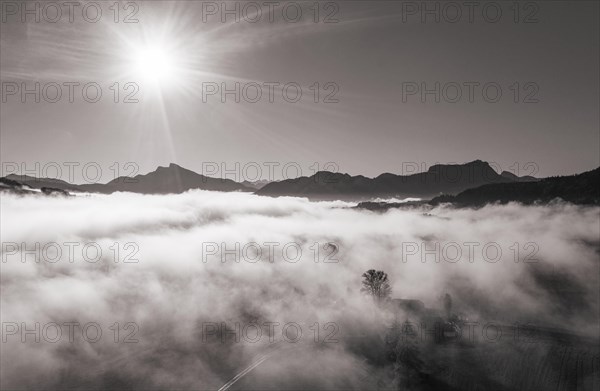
(154, 64)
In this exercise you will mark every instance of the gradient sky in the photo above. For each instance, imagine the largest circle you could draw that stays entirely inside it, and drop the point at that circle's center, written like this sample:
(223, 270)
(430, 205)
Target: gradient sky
(369, 53)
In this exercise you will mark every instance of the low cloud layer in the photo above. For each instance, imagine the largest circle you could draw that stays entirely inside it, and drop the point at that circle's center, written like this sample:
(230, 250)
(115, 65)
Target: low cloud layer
(507, 263)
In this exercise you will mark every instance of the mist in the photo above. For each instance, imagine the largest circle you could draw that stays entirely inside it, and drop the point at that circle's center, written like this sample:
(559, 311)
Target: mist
(174, 267)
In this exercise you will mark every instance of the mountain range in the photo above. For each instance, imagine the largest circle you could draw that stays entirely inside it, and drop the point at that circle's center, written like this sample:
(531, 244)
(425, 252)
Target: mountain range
(439, 179)
(163, 180)
(470, 183)
(582, 189)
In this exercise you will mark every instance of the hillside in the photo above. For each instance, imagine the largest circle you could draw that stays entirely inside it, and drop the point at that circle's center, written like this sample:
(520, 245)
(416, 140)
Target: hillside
(164, 180)
(439, 179)
(582, 188)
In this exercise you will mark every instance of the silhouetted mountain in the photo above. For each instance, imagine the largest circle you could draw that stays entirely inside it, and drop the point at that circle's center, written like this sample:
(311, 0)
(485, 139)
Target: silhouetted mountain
(164, 180)
(578, 189)
(256, 185)
(16, 187)
(12, 186)
(440, 178)
(38, 183)
(524, 178)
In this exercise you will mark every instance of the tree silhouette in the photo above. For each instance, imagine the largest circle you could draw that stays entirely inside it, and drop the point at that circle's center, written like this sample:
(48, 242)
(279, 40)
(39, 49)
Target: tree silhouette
(375, 283)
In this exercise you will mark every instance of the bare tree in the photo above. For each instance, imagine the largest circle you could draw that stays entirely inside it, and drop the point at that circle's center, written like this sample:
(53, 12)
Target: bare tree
(375, 283)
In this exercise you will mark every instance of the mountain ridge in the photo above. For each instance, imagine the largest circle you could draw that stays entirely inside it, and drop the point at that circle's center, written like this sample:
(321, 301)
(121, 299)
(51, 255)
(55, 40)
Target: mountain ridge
(438, 179)
(581, 189)
(164, 180)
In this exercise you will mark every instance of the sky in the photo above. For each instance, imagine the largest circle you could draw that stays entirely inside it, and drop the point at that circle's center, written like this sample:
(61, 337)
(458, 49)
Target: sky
(366, 56)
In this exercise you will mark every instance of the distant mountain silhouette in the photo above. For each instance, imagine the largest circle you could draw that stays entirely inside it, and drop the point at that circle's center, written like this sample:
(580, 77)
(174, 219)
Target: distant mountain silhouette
(440, 178)
(16, 187)
(256, 184)
(164, 180)
(12, 186)
(582, 188)
(513, 177)
(38, 183)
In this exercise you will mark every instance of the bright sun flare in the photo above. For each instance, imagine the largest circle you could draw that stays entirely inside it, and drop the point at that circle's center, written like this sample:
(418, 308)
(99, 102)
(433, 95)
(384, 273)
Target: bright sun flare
(154, 64)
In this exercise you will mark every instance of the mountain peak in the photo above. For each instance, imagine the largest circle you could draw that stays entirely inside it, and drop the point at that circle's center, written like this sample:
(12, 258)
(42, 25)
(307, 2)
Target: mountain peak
(474, 163)
(516, 178)
(508, 174)
(331, 173)
(170, 167)
(173, 179)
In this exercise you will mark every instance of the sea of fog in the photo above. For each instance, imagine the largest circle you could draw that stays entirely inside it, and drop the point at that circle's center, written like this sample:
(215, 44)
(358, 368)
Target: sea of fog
(136, 291)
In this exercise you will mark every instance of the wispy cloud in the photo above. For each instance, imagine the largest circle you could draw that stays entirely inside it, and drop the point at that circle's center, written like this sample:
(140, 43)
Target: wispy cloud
(170, 293)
